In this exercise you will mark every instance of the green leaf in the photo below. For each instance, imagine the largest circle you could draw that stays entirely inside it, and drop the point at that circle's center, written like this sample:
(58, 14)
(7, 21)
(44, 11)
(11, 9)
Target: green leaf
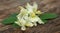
(48, 16)
(11, 19)
(45, 21)
(15, 25)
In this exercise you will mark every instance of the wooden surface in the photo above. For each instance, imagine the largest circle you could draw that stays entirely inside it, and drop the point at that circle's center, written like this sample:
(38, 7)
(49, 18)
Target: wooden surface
(53, 26)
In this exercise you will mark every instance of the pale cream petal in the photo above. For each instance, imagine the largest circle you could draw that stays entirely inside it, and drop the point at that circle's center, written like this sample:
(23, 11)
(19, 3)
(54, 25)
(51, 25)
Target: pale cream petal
(40, 21)
(35, 24)
(23, 28)
(29, 8)
(29, 24)
(35, 6)
(38, 12)
(17, 22)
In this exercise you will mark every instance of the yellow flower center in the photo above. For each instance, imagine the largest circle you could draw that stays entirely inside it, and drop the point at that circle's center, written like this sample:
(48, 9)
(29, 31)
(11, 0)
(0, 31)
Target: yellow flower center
(32, 15)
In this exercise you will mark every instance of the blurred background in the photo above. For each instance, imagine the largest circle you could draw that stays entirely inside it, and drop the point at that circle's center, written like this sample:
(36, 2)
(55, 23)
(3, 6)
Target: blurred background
(11, 6)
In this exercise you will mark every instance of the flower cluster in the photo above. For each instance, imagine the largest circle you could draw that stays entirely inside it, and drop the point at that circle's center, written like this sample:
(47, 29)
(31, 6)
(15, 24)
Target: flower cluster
(28, 16)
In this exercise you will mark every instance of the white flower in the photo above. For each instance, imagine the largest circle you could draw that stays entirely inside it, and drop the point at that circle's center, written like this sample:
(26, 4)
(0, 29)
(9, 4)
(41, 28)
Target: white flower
(27, 16)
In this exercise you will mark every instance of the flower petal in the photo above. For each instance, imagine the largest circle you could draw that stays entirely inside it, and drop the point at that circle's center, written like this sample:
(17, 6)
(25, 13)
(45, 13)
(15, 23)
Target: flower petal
(23, 28)
(29, 24)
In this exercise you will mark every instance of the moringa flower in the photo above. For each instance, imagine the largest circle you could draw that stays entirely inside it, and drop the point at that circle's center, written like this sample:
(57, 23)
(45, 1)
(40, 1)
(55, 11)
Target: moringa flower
(28, 16)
